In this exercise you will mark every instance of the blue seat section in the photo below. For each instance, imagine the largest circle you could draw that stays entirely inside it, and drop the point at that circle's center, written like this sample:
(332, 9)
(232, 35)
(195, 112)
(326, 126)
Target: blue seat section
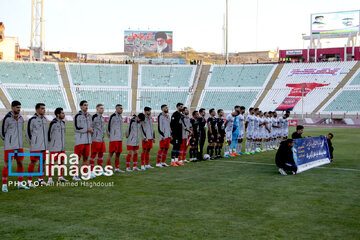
(107, 97)
(356, 80)
(100, 75)
(239, 76)
(166, 76)
(155, 99)
(28, 73)
(226, 100)
(29, 97)
(346, 101)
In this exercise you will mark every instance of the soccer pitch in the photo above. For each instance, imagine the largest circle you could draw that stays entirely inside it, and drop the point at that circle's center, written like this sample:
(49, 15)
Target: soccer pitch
(234, 198)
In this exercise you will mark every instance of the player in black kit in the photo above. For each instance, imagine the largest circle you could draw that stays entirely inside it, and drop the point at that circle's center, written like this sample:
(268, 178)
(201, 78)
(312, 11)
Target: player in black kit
(177, 121)
(202, 127)
(221, 133)
(194, 139)
(212, 132)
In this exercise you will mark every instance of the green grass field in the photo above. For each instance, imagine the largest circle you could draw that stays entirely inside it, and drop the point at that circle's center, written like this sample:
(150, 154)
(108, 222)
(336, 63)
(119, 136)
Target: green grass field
(237, 198)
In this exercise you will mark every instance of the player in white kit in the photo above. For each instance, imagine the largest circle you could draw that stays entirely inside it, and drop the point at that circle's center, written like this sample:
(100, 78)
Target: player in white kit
(241, 119)
(284, 126)
(267, 131)
(261, 129)
(257, 134)
(249, 127)
(278, 131)
(273, 129)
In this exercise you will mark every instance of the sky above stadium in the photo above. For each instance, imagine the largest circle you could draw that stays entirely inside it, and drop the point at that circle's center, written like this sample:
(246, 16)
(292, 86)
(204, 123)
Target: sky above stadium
(91, 26)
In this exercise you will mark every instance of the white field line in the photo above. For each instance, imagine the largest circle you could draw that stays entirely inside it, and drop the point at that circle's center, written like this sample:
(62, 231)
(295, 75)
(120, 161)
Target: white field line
(253, 163)
(269, 164)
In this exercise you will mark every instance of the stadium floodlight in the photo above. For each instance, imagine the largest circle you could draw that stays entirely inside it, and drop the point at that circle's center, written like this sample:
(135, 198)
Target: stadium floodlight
(227, 32)
(36, 40)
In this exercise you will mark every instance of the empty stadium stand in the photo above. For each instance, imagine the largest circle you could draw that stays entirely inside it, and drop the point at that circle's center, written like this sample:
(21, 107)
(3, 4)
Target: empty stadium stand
(109, 84)
(347, 99)
(239, 75)
(158, 97)
(164, 84)
(355, 81)
(33, 82)
(227, 99)
(230, 85)
(181, 76)
(317, 79)
(327, 87)
(29, 73)
(53, 97)
(107, 96)
(88, 74)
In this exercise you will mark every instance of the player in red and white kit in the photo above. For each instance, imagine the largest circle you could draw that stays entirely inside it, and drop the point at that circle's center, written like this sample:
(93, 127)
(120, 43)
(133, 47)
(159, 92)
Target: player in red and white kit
(98, 138)
(164, 136)
(56, 138)
(83, 139)
(12, 134)
(37, 137)
(132, 134)
(148, 136)
(186, 131)
(115, 134)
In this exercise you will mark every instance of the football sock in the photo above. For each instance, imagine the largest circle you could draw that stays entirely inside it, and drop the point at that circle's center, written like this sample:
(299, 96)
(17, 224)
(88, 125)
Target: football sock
(210, 150)
(30, 170)
(117, 162)
(92, 163)
(159, 156)
(128, 159)
(40, 177)
(100, 161)
(142, 158)
(247, 146)
(164, 155)
(135, 160)
(227, 149)
(147, 158)
(5, 173)
(238, 147)
(20, 169)
(253, 146)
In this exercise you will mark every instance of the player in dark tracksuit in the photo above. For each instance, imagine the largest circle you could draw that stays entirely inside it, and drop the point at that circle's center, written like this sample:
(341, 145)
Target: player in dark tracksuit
(194, 139)
(221, 133)
(329, 137)
(202, 129)
(212, 132)
(176, 124)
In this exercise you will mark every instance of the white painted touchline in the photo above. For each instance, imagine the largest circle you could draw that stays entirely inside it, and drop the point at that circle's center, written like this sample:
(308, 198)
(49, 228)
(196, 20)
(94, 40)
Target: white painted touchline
(269, 164)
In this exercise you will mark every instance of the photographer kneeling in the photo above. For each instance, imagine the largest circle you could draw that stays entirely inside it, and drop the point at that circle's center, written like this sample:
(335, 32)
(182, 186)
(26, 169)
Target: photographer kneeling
(284, 158)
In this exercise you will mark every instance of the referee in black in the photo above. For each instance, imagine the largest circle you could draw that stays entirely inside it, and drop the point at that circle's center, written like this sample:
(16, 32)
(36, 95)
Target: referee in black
(202, 130)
